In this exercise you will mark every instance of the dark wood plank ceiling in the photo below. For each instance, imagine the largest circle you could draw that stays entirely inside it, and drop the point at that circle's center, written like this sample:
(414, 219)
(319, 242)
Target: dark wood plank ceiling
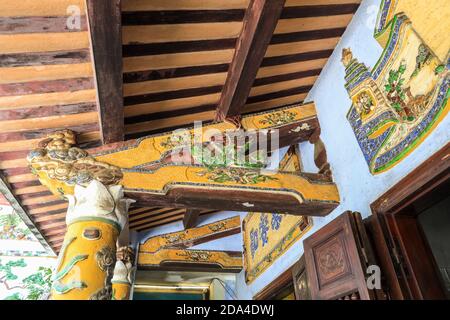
(46, 84)
(176, 55)
(260, 20)
(146, 218)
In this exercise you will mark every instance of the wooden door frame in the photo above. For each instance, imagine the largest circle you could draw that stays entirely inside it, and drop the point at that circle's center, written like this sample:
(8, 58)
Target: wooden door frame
(424, 179)
(277, 285)
(299, 270)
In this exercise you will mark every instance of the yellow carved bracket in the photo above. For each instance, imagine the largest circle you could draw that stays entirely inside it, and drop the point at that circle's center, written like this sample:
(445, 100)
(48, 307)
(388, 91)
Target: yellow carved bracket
(297, 120)
(169, 250)
(193, 236)
(197, 259)
(60, 166)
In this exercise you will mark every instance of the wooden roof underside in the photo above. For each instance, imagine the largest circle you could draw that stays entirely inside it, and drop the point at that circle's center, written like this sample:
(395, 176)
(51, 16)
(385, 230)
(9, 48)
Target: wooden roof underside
(176, 61)
(176, 57)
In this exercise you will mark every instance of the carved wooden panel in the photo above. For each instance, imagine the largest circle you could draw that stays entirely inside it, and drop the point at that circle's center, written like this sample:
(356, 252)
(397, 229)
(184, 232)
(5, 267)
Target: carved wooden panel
(334, 263)
(332, 260)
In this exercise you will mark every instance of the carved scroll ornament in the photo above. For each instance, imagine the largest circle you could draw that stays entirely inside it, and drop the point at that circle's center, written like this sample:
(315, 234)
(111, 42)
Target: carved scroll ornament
(123, 274)
(57, 160)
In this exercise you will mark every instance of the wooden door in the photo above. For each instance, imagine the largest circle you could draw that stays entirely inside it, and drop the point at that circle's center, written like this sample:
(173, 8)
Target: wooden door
(412, 272)
(337, 257)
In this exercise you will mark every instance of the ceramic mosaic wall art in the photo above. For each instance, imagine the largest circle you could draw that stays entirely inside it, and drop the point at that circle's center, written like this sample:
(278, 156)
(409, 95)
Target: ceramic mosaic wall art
(25, 278)
(267, 236)
(402, 99)
(16, 239)
(12, 227)
(25, 268)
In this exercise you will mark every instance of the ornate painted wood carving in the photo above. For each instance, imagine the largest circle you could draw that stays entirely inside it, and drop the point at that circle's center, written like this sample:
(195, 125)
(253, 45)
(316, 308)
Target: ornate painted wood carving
(331, 260)
(192, 260)
(170, 251)
(60, 165)
(137, 165)
(301, 285)
(151, 151)
(268, 236)
(187, 238)
(123, 274)
(402, 99)
(85, 266)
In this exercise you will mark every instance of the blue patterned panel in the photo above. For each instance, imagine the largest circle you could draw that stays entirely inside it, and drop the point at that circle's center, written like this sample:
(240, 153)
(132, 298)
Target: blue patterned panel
(276, 221)
(418, 130)
(398, 21)
(385, 5)
(253, 242)
(368, 146)
(263, 228)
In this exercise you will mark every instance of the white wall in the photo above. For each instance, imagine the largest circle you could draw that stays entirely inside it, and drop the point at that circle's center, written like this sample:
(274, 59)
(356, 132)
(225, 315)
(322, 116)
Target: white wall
(358, 188)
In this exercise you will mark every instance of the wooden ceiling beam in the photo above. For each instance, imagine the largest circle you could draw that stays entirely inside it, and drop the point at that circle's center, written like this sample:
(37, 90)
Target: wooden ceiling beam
(260, 21)
(288, 193)
(294, 124)
(106, 45)
(190, 219)
(147, 170)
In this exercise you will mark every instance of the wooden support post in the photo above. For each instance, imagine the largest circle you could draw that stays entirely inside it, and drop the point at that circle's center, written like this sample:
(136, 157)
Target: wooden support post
(86, 262)
(259, 24)
(106, 44)
(190, 218)
(320, 154)
(123, 273)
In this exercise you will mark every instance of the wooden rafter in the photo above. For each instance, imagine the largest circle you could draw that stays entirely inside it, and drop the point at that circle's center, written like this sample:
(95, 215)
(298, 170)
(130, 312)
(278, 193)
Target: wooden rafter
(106, 41)
(260, 21)
(190, 218)
(154, 218)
